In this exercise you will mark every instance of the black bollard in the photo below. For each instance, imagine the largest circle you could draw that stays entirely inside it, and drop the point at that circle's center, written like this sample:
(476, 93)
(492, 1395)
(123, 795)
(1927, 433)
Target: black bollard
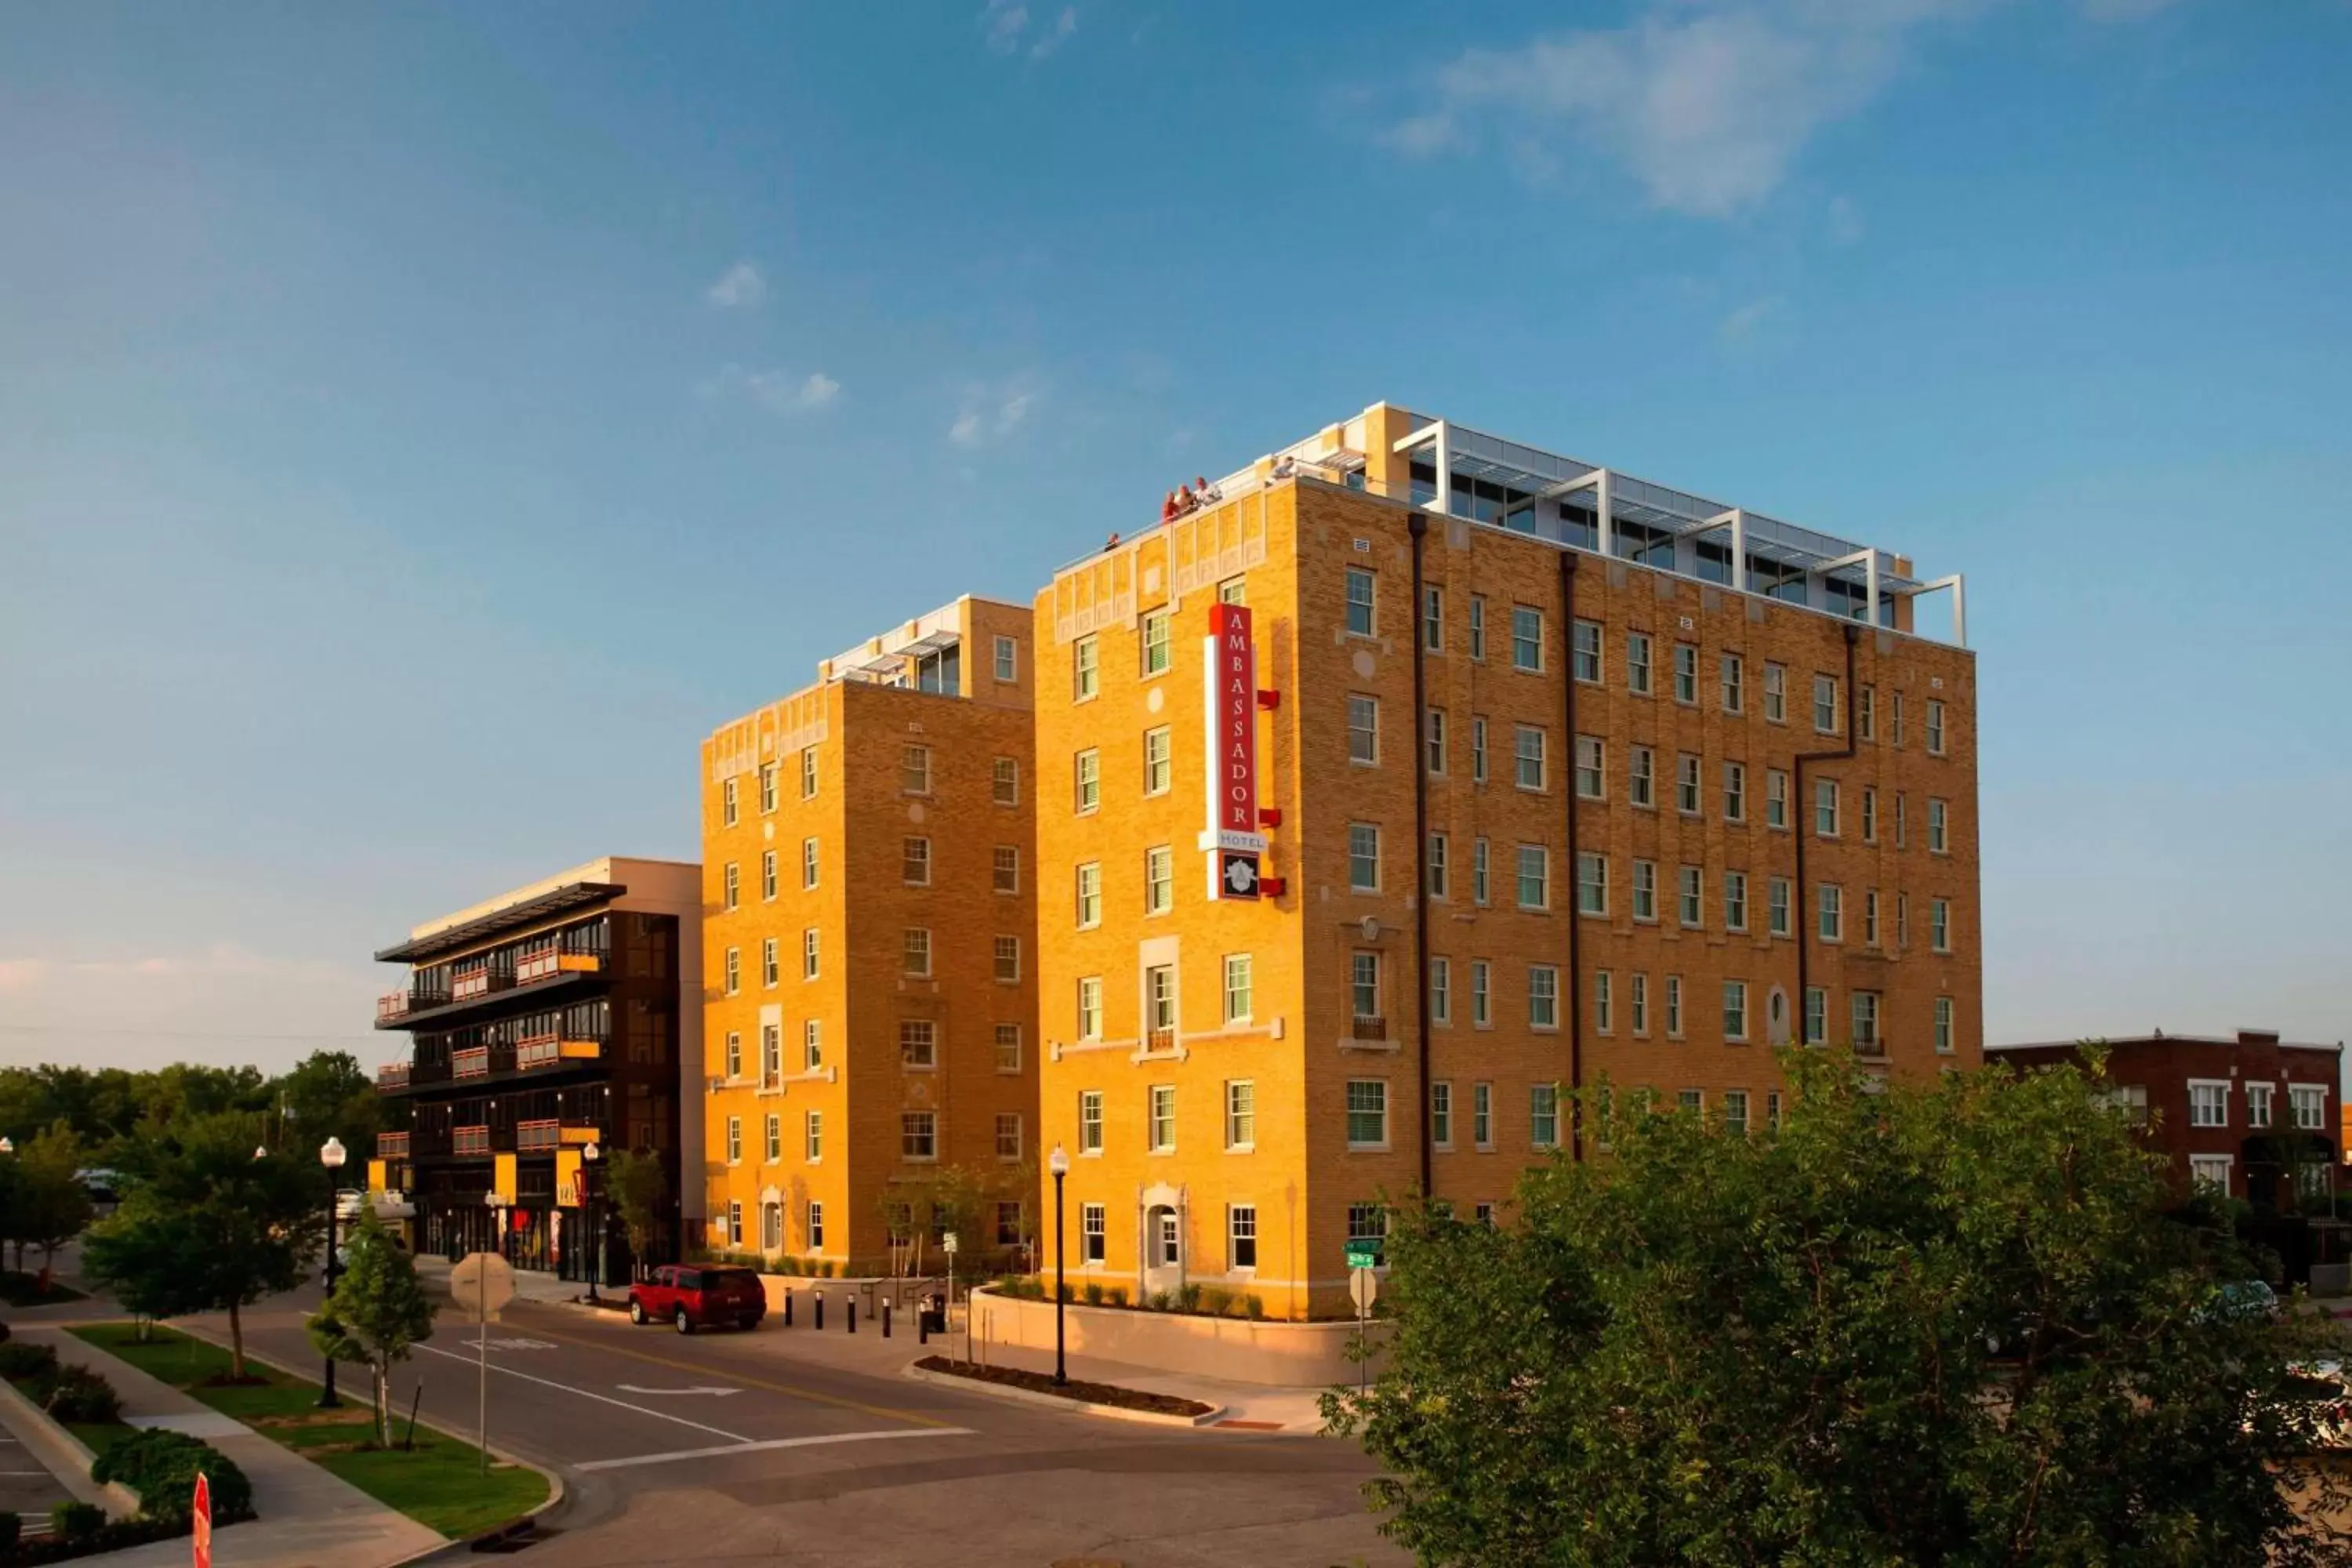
(922, 1325)
(853, 1314)
(788, 1308)
(886, 1317)
(820, 1311)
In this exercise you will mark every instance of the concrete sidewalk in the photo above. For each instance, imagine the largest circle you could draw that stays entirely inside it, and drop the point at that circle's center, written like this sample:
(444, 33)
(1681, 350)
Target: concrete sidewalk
(308, 1516)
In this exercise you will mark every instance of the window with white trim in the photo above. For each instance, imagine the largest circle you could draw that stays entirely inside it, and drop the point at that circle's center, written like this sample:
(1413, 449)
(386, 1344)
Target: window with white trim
(1157, 768)
(1368, 1113)
(1239, 987)
(1241, 1114)
(1359, 588)
(1526, 638)
(2309, 1102)
(1364, 728)
(1363, 858)
(1534, 877)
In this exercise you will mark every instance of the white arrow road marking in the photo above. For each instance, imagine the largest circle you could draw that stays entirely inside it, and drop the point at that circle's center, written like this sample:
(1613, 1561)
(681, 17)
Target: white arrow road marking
(585, 1394)
(633, 1388)
(775, 1443)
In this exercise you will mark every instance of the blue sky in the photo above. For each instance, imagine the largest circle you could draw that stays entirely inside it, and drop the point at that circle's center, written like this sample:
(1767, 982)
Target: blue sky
(419, 425)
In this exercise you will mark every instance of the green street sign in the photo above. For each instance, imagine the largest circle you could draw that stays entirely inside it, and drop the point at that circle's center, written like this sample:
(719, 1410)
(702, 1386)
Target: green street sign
(1364, 1255)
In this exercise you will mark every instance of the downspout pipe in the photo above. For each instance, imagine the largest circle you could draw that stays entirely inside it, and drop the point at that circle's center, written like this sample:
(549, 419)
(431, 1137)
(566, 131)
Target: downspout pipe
(1802, 809)
(1417, 525)
(1575, 896)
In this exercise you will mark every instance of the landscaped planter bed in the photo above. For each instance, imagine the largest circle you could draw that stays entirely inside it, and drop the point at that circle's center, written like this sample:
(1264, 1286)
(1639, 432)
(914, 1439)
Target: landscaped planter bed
(1077, 1390)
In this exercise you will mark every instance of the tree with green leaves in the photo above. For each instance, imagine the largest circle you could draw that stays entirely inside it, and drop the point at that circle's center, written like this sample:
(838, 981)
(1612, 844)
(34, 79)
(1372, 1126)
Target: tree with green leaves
(638, 1188)
(1948, 1323)
(211, 1222)
(51, 1205)
(377, 1311)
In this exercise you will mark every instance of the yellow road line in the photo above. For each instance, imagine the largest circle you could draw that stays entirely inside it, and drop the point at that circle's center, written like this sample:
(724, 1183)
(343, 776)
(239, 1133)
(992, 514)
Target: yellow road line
(707, 1369)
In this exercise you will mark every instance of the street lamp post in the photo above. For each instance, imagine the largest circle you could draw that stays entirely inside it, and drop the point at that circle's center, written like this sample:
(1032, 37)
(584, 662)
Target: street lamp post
(1059, 1164)
(588, 1159)
(331, 1156)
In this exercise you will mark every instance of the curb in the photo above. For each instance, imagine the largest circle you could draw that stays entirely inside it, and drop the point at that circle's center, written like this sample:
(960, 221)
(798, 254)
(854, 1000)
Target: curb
(556, 1490)
(66, 1456)
(1056, 1402)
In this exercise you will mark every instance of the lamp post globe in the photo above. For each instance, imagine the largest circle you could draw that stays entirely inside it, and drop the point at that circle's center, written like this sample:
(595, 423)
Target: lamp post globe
(1058, 1163)
(8, 1145)
(330, 1156)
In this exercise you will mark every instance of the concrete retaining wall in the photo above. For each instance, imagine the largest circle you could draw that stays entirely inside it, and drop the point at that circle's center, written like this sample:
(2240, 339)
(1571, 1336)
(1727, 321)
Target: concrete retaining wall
(1277, 1355)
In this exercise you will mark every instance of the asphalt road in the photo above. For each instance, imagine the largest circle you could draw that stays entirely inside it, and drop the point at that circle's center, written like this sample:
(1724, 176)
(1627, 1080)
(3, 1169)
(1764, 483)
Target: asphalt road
(787, 1448)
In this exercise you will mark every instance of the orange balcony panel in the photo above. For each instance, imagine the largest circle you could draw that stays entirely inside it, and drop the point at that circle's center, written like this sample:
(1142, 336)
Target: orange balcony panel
(580, 1050)
(579, 962)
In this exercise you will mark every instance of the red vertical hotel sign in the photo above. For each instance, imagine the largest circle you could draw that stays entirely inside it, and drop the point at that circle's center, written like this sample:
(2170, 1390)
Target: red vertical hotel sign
(1236, 720)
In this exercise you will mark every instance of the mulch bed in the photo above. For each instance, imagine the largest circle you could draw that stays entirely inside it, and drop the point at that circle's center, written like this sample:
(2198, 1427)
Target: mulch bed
(1075, 1390)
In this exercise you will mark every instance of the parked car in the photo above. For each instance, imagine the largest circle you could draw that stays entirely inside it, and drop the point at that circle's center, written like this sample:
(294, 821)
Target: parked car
(690, 1295)
(2238, 1300)
(349, 1203)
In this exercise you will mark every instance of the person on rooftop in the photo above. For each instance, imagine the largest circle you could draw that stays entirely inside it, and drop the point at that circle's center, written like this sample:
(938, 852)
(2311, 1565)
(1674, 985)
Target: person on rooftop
(1168, 508)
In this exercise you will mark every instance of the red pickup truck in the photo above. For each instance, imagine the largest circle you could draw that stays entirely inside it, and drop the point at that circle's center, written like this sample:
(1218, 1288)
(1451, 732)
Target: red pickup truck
(692, 1296)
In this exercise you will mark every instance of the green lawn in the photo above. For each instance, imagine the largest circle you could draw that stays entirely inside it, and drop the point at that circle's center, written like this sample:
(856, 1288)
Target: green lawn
(439, 1485)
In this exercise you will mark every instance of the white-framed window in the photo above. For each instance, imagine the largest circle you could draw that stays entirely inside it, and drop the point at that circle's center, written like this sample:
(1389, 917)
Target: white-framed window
(2258, 1105)
(735, 1222)
(1937, 843)
(1005, 868)
(1895, 714)
(812, 1045)
(2210, 1171)
(1363, 729)
(1433, 741)
(1233, 591)
(1006, 953)
(1734, 900)
(1735, 792)
(728, 808)
(1735, 1010)
(1817, 1015)
(812, 1136)
(1160, 999)
(728, 880)
(1008, 1047)
(1158, 879)
(1089, 892)
(1934, 728)
(1087, 771)
(1833, 912)
(1157, 760)
(1591, 884)
(915, 951)
(1155, 643)
(1591, 765)
(770, 969)
(767, 787)
(1482, 994)
(915, 770)
(918, 1135)
(1637, 663)
(771, 1052)
(1433, 617)
(1367, 1222)
(1604, 1001)
(1364, 985)
(1534, 877)
(1944, 1026)
(1086, 669)
(772, 1148)
(731, 1057)
(1865, 1013)
(1776, 692)
(1529, 759)
(1090, 1014)
(1734, 681)
(1162, 1127)
(1441, 1114)
(1008, 1135)
(1869, 815)
(1735, 1111)
(1477, 749)
(1674, 1006)
(1641, 776)
(1368, 1113)
(1479, 861)
(918, 1043)
(1090, 1121)
(1825, 808)
(1637, 1001)
(1241, 1114)
(1870, 917)
(2309, 1102)
(1543, 996)
(1238, 988)
(1645, 891)
(734, 1140)
(809, 960)
(816, 1226)
(808, 773)
(1776, 798)
(1776, 907)
(1939, 924)
(915, 861)
(767, 875)
(1363, 858)
(1901, 835)
(1360, 602)
(1482, 1115)
(1004, 781)
(1587, 651)
(1436, 866)
(1094, 1230)
(1008, 659)
(1441, 991)
(1526, 638)
(1691, 1099)
(1690, 902)
(1685, 673)
(1866, 712)
(1241, 1237)
(734, 971)
(1687, 784)
(1543, 1116)
(1825, 704)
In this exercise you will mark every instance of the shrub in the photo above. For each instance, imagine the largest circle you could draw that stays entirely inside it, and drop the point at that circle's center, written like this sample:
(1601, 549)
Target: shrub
(162, 1466)
(1094, 1293)
(76, 1520)
(1117, 1295)
(824, 1271)
(1213, 1300)
(1158, 1301)
(4, 1334)
(12, 1527)
(27, 1361)
(81, 1394)
(1188, 1297)
(1256, 1306)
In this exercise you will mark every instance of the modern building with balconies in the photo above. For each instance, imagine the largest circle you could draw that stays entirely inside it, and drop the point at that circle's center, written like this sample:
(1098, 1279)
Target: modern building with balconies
(550, 1020)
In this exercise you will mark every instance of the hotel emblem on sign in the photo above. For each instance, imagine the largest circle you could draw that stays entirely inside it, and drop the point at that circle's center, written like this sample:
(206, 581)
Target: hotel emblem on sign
(1231, 838)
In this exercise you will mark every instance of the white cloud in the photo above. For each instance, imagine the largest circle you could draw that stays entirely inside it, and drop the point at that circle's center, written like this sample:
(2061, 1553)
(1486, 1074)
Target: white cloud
(1845, 225)
(1706, 102)
(991, 413)
(223, 1004)
(1004, 27)
(739, 288)
(777, 391)
(1756, 324)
